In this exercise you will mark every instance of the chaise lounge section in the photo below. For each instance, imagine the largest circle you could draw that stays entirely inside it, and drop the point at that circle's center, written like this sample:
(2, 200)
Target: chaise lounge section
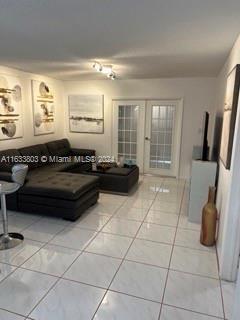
(65, 195)
(58, 188)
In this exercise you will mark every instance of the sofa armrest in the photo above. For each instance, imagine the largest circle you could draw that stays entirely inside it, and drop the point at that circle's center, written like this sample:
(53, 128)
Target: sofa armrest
(6, 176)
(82, 152)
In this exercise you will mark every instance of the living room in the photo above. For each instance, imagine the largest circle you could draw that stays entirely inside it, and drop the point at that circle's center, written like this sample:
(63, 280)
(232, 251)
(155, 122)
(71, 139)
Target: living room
(106, 119)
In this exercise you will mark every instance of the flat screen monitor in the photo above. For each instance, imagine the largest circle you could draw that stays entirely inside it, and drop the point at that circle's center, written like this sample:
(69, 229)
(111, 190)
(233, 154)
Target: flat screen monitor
(205, 147)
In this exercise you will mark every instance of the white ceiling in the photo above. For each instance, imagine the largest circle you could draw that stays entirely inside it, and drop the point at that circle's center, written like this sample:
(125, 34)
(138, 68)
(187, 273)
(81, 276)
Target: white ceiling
(140, 38)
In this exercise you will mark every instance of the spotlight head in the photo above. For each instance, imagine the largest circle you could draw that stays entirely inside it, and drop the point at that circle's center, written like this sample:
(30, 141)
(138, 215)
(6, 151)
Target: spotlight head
(113, 76)
(97, 66)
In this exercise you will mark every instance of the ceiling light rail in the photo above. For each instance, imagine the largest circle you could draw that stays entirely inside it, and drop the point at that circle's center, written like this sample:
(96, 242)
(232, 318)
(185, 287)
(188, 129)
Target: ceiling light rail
(105, 69)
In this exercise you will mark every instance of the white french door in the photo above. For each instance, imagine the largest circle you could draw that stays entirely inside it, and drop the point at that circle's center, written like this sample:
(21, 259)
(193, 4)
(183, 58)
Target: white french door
(162, 137)
(148, 132)
(128, 130)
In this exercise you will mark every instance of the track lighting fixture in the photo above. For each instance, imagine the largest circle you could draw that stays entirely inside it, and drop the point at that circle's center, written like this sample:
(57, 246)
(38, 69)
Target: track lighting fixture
(97, 66)
(105, 69)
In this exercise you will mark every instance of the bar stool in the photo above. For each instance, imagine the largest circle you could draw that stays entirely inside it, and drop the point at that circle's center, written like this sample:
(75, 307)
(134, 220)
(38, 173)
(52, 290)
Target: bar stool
(19, 172)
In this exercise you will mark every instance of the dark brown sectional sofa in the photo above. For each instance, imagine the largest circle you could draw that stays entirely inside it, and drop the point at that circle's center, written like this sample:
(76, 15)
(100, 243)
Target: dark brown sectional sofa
(52, 187)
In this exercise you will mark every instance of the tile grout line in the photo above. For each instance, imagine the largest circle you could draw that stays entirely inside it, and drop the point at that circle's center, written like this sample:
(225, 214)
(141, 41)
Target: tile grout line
(218, 279)
(191, 311)
(112, 290)
(221, 289)
(13, 312)
(97, 232)
(20, 266)
(166, 281)
(77, 258)
(60, 278)
(118, 268)
(127, 260)
(125, 236)
(44, 245)
(220, 283)
(22, 230)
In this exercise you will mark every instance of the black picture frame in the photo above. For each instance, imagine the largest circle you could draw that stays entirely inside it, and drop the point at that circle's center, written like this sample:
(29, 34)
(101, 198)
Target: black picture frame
(229, 116)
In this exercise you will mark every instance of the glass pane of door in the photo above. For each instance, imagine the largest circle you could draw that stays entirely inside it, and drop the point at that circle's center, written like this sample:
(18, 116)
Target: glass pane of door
(127, 131)
(163, 137)
(161, 141)
(148, 132)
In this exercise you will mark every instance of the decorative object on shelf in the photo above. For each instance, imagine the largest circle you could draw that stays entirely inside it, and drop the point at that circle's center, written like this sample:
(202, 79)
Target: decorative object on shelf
(104, 166)
(229, 116)
(43, 108)
(105, 69)
(86, 113)
(129, 163)
(11, 126)
(121, 161)
(209, 220)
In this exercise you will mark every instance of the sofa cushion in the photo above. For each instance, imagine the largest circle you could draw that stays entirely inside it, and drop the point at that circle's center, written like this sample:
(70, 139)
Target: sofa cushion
(49, 168)
(8, 158)
(82, 152)
(119, 171)
(68, 186)
(60, 148)
(35, 153)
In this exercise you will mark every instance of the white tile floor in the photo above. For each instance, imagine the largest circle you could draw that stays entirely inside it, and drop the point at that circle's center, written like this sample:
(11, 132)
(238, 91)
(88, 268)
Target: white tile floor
(127, 258)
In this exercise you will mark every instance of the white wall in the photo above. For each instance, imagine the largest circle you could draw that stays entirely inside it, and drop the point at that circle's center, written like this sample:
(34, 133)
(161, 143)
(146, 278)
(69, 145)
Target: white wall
(198, 95)
(227, 222)
(28, 133)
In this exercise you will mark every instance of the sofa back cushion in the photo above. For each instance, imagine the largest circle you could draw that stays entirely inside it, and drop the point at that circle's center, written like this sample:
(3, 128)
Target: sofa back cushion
(8, 158)
(60, 148)
(33, 154)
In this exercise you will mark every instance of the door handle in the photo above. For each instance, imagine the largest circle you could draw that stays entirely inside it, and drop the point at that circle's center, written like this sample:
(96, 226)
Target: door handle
(147, 138)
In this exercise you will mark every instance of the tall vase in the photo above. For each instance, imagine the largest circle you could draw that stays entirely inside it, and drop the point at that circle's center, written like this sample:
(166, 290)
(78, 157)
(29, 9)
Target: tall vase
(209, 220)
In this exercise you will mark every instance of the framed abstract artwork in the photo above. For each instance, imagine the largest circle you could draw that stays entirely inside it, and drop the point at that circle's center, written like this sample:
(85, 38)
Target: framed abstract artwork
(86, 113)
(11, 125)
(43, 108)
(229, 116)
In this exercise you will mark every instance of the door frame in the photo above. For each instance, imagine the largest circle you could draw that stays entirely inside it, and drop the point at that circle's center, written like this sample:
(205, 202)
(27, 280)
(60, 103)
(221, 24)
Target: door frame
(142, 133)
(177, 134)
(228, 254)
